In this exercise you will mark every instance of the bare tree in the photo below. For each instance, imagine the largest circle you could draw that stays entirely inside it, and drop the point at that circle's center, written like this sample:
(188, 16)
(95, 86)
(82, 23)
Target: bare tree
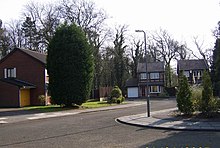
(47, 19)
(15, 33)
(136, 53)
(4, 41)
(205, 53)
(164, 48)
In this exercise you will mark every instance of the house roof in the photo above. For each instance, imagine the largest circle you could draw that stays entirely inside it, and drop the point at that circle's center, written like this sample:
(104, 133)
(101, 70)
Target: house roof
(36, 55)
(131, 82)
(39, 56)
(151, 67)
(19, 83)
(192, 64)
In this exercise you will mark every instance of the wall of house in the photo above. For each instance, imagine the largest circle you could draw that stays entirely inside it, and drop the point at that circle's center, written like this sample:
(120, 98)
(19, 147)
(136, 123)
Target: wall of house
(29, 70)
(9, 95)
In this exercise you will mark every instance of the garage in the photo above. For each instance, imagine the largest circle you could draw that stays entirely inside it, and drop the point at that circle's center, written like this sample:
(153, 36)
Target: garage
(132, 92)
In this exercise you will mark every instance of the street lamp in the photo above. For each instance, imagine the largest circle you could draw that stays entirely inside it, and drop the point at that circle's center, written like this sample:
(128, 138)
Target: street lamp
(148, 95)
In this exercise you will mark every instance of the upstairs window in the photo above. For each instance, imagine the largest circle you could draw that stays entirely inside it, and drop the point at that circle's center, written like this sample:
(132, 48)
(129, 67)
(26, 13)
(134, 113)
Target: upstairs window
(143, 76)
(10, 72)
(154, 75)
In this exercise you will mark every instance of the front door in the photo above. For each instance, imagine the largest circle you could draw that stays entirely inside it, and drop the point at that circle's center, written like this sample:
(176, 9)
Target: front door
(24, 97)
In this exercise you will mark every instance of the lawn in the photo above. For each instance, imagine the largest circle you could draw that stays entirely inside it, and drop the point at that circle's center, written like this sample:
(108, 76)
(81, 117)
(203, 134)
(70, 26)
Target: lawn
(54, 108)
(96, 104)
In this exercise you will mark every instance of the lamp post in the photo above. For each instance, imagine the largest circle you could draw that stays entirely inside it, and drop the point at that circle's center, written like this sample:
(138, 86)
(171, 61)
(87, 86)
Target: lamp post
(148, 95)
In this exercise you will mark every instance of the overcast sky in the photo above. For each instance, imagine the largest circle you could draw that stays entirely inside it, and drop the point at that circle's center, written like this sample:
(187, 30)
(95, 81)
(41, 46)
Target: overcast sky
(183, 19)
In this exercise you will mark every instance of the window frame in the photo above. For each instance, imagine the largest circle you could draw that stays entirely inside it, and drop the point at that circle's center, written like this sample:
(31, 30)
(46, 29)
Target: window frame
(143, 76)
(158, 88)
(154, 75)
(10, 73)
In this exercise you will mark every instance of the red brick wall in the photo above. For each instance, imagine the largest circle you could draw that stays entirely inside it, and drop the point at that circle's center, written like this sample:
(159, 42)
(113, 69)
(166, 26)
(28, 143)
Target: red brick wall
(27, 69)
(9, 95)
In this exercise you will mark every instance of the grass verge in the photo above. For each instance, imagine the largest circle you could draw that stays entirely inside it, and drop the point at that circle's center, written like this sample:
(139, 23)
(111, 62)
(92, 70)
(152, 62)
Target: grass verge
(96, 104)
(55, 108)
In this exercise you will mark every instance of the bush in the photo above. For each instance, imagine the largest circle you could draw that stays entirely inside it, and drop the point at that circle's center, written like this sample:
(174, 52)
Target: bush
(116, 96)
(196, 97)
(116, 92)
(208, 103)
(184, 102)
(42, 99)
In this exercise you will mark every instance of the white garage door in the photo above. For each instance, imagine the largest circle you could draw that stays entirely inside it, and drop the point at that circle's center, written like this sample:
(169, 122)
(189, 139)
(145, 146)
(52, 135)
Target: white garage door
(132, 92)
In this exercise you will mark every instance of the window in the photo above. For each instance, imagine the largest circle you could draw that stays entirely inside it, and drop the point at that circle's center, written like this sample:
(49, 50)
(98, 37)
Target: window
(186, 73)
(10, 72)
(154, 89)
(154, 75)
(143, 76)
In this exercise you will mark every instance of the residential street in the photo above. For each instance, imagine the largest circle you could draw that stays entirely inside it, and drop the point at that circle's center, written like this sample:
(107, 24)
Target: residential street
(99, 129)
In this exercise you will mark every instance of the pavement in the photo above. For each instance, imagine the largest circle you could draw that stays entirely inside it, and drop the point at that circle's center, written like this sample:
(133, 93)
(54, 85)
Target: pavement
(164, 119)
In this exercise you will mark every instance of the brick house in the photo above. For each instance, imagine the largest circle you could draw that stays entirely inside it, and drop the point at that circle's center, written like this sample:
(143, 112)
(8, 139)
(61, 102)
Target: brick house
(192, 69)
(23, 78)
(137, 87)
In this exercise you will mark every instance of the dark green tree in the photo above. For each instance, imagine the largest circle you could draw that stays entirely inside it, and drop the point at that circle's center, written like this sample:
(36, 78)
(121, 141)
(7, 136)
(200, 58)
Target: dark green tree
(30, 34)
(70, 66)
(207, 101)
(215, 68)
(184, 102)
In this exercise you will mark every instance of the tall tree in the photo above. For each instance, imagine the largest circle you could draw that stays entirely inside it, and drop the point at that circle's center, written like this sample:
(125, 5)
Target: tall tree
(165, 48)
(70, 66)
(30, 34)
(15, 34)
(136, 53)
(215, 68)
(47, 18)
(91, 19)
(120, 57)
(4, 41)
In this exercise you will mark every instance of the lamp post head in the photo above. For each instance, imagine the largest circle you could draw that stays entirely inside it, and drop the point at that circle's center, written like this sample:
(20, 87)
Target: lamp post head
(139, 31)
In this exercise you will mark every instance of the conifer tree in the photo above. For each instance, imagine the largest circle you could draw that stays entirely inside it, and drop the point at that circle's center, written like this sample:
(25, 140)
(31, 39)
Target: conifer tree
(70, 66)
(207, 94)
(184, 102)
(215, 68)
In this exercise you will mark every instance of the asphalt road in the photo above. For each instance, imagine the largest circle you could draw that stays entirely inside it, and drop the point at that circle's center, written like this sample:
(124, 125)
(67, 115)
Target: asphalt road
(99, 129)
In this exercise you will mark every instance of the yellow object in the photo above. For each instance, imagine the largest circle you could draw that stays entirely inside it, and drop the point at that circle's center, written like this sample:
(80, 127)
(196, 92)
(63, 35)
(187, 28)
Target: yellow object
(24, 97)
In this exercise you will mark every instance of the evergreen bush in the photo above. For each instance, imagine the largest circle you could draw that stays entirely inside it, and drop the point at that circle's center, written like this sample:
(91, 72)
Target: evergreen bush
(116, 96)
(209, 104)
(184, 102)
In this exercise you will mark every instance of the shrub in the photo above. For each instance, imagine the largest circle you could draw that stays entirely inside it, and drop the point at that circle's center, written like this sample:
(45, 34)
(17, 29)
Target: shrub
(196, 97)
(208, 103)
(42, 99)
(184, 102)
(116, 92)
(116, 96)
(119, 101)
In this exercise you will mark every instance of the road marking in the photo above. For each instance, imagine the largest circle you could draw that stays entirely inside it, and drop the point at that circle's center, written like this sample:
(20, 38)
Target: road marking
(43, 116)
(3, 122)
